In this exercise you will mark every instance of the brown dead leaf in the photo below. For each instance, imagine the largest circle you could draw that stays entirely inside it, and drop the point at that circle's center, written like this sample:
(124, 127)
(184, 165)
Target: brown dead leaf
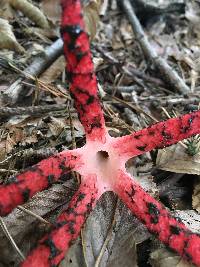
(8, 40)
(52, 10)
(6, 11)
(43, 34)
(91, 16)
(3, 150)
(52, 73)
(120, 248)
(175, 159)
(196, 197)
(164, 258)
(120, 237)
(124, 253)
(190, 218)
(19, 134)
(12, 137)
(192, 14)
(91, 11)
(56, 126)
(31, 11)
(126, 32)
(20, 223)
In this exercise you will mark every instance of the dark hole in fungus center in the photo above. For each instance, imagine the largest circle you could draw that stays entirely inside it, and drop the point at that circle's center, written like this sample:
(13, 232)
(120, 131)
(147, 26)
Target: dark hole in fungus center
(102, 155)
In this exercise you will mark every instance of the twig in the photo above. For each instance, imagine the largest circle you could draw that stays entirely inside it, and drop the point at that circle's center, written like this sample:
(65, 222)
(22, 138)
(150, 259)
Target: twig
(130, 70)
(137, 109)
(173, 101)
(168, 74)
(33, 110)
(145, 10)
(8, 171)
(120, 89)
(39, 83)
(38, 66)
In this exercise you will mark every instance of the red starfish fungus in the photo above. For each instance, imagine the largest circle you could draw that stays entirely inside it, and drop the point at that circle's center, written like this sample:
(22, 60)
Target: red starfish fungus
(101, 162)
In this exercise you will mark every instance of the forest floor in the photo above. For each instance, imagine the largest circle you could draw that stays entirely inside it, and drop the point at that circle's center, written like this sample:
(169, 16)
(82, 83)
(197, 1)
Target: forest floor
(37, 119)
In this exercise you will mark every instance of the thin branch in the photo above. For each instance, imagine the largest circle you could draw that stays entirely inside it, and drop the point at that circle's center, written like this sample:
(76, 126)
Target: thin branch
(32, 110)
(39, 65)
(168, 74)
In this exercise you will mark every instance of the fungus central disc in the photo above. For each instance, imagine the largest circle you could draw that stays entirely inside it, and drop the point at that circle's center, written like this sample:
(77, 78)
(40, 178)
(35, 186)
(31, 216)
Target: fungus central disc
(102, 161)
(106, 167)
(102, 155)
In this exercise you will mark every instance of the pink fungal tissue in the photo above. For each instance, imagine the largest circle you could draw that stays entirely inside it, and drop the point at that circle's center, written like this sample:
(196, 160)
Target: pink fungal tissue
(100, 162)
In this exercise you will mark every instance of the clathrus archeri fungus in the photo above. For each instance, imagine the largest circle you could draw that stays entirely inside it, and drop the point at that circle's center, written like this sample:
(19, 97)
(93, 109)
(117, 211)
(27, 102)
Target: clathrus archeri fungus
(100, 162)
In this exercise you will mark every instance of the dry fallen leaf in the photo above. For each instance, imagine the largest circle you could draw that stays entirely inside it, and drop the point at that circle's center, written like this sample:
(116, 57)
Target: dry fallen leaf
(124, 253)
(91, 15)
(196, 197)
(14, 136)
(8, 40)
(31, 11)
(164, 258)
(192, 14)
(6, 11)
(19, 223)
(91, 11)
(56, 126)
(52, 10)
(104, 243)
(4, 149)
(190, 218)
(175, 159)
(52, 73)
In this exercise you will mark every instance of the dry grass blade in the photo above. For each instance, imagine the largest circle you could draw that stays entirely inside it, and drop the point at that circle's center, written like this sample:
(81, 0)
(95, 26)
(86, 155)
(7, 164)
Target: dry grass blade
(135, 108)
(5, 230)
(43, 86)
(33, 214)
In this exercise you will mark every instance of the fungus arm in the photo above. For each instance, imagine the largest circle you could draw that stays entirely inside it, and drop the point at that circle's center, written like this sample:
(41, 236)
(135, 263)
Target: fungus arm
(52, 248)
(23, 186)
(158, 135)
(157, 219)
(81, 71)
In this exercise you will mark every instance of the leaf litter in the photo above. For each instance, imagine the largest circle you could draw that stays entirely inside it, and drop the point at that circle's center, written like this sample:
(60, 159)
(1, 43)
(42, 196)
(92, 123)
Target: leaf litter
(115, 46)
